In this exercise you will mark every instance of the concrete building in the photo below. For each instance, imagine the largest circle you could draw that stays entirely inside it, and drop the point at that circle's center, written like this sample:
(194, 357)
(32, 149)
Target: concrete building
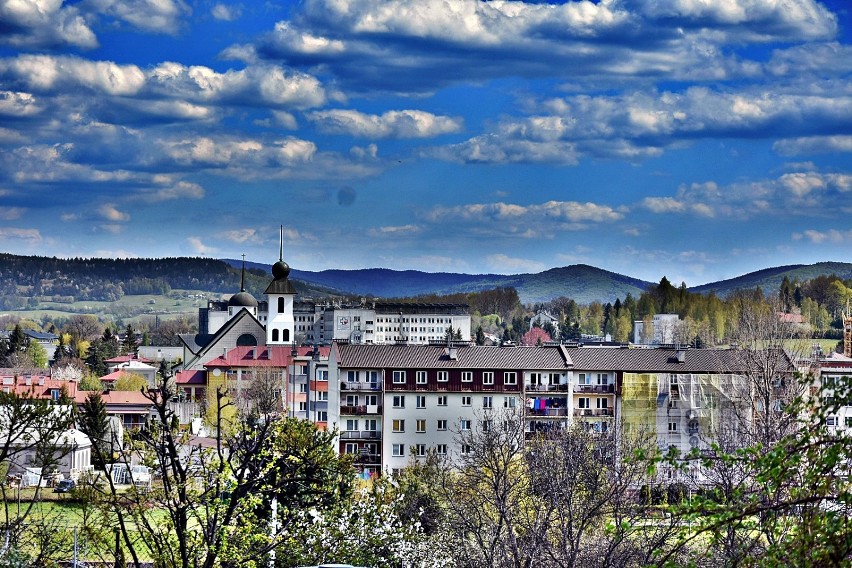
(662, 332)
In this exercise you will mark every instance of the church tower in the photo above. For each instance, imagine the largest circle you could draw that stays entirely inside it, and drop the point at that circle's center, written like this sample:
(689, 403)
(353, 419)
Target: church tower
(280, 325)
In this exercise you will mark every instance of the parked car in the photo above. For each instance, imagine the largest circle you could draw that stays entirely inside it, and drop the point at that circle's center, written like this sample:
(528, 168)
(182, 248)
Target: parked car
(64, 486)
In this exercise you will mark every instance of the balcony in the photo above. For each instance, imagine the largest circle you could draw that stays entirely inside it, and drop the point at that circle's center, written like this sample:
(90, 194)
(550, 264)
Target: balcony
(360, 409)
(592, 412)
(357, 386)
(546, 388)
(368, 459)
(598, 389)
(360, 435)
(547, 412)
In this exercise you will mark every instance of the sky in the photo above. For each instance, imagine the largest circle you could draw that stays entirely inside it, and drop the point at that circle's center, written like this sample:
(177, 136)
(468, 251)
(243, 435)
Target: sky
(692, 139)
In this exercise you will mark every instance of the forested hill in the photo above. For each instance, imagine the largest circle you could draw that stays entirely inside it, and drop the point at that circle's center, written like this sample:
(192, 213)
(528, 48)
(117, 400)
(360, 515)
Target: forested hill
(27, 280)
(769, 279)
(581, 282)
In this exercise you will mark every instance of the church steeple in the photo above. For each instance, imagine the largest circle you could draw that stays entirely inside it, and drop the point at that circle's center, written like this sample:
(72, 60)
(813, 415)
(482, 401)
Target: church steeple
(242, 299)
(281, 326)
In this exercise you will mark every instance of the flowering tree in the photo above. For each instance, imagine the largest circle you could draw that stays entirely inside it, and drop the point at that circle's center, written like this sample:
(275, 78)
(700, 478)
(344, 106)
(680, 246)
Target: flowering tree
(535, 336)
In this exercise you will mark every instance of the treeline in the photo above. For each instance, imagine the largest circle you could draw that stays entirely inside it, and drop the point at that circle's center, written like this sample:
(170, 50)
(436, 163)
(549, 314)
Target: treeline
(27, 280)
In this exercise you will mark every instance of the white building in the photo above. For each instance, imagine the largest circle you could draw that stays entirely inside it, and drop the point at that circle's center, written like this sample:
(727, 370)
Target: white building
(662, 332)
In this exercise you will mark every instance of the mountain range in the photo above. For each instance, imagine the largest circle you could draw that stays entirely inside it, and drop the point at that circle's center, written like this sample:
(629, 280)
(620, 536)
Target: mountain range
(581, 282)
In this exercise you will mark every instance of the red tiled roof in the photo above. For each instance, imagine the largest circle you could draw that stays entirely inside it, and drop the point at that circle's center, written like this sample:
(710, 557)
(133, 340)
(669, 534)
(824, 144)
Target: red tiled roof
(190, 377)
(262, 356)
(115, 375)
(126, 358)
(40, 383)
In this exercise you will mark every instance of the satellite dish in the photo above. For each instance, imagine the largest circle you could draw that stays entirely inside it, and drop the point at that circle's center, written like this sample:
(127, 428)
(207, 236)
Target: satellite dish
(217, 372)
(694, 441)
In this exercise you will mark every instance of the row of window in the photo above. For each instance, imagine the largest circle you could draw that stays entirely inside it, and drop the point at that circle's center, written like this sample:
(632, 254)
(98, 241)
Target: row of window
(398, 450)
(398, 401)
(422, 377)
(465, 425)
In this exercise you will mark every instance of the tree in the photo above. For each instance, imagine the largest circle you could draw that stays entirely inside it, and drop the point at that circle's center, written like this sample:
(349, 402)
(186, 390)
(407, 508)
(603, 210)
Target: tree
(480, 336)
(37, 354)
(129, 344)
(28, 426)
(217, 503)
(790, 503)
(131, 382)
(93, 422)
(90, 382)
(535, 336)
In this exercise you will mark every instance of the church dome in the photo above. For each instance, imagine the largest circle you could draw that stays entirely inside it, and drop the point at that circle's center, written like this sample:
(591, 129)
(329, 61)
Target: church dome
(280, 270)
(242, 299)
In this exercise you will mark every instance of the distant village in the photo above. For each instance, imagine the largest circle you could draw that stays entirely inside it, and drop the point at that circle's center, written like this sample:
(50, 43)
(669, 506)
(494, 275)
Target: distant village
(398, 381)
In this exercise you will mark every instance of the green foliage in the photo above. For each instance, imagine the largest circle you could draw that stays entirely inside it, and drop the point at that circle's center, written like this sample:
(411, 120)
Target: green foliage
(90, 383)
(131, 382)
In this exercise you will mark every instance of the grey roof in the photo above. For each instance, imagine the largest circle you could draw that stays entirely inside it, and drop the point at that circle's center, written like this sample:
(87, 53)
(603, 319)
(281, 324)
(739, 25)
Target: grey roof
(196, 341)
(436, 356)
(547, 357)
(280, 287)
(243, 299)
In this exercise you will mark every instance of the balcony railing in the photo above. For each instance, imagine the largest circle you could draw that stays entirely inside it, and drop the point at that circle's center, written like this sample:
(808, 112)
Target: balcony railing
(592, 412)
(600, 389)
(358, 386)
(368, 458)
(360, 435)
(361, 409)
(547, 388)
(547, 412)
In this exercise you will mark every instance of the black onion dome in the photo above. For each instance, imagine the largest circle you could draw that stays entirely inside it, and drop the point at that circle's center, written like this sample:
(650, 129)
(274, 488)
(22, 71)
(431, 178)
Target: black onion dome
(242, 299)
(280, 270)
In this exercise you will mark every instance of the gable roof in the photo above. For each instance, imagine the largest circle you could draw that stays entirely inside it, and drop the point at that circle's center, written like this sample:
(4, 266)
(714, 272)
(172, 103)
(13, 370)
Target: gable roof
(437, 356)
(219, 335)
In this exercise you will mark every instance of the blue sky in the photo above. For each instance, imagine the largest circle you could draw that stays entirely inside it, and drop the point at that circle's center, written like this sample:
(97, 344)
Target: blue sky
(696, 139)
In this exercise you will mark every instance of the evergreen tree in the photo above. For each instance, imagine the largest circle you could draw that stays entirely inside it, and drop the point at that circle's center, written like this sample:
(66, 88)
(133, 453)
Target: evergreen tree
(93, 422)
(480, 336)
(128, 346)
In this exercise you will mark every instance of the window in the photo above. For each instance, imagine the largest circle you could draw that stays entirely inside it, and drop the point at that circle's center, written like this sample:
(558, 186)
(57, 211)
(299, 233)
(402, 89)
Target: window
(442, 425)
(672, 426)
(441, 449)
(584, 379)
(322, 396)
(486, 425)
(466, 400)
(464, 425)
(371, 400)
(421, 377)
(849, 421)
(467, 376)
(603, 403)
(443, 376)
(372, 377)
(351, 425)
(672, 379)
(554, 379)
(535, 378)
(421, 450)
(302, 406)
(488, 378)
(584, 402)
(398, 450)
(603, 379)
(322, 416)
(351, 400)
(371, 425)
(322, 374)
(465, 449)
(398, 425)
(509, 401)
(421, 401)
(399, 377)
(351, 448)
(352, 376)
(487, 401)
(303, 387)
(421, 426)
(831, 421)
(510, 378)
(442, 400)
(399, 401)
